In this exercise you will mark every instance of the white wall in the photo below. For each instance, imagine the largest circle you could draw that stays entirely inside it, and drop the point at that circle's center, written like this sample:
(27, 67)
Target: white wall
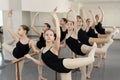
(4, 4)
(1, 18)
(44, 17)
(111, 12)
(45, 5)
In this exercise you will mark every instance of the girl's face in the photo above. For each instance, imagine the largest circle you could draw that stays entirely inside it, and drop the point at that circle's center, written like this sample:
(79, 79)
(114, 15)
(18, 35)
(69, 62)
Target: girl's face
(88, 22)
(96, 17)
(70, 25)
(49, 36)
(79, 22)
(62, 22)
(21, 31)
(44, 28)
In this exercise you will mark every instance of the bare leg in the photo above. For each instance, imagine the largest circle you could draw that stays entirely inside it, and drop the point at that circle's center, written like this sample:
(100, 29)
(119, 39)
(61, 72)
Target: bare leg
(90, 68)
(99, 61)
(40, 72)
(83, 72)
(20, 64)
(66, 76)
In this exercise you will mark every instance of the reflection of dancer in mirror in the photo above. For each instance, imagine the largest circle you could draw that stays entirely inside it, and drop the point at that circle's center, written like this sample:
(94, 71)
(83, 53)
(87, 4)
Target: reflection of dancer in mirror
(41, 42)
(50, 54)
(23, 43)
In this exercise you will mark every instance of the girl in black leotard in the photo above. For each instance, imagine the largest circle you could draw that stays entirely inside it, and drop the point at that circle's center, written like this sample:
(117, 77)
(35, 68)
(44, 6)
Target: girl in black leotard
(63, 28)
(99, 28)
(50, 54)
(23, 43)
(41, 42)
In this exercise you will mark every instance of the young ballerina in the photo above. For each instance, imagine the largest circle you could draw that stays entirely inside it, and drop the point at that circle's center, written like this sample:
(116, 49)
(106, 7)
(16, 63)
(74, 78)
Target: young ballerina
(63, 28)
(41, 42)
(23, 43)
(98, 25)
(50, 54)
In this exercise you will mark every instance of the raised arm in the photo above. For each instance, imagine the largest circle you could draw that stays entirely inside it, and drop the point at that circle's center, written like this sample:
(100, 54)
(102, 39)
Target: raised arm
(57, 29)
(101, 20)
(33, 25)
(93, 24)
(9, 27)
(68, 13)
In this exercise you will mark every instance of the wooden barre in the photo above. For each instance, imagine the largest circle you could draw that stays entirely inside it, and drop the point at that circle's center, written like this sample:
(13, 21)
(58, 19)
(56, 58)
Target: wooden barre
(22, 58)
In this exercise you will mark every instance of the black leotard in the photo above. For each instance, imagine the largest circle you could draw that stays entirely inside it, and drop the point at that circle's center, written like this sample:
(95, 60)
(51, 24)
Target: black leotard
(99, 28)
(74, 45)
(63, 34)
(20, 50)
(41, 42)
(91, 33)
(82, 37)
(53, 62)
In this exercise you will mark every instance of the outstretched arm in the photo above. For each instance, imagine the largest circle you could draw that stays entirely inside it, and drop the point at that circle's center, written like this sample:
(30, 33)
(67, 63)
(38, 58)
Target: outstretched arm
(33, 24)
(9, 27)
(34, 60)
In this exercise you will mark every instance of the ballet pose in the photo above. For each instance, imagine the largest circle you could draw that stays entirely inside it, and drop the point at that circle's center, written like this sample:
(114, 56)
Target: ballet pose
(98, 25)
(41, 42)
(50, 54)
(23, 43)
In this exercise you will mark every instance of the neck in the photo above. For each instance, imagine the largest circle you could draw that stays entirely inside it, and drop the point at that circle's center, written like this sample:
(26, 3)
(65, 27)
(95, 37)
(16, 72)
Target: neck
(63, 26)
(49, 44)
(23, 37)
(70, 31)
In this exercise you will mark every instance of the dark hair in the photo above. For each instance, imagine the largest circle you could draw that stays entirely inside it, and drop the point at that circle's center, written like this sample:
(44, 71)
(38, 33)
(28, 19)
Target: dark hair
(96, 15)
(71, 21)
(48, 25)
(25, 28)
(87, 19)
(79, 17)
(65, 20)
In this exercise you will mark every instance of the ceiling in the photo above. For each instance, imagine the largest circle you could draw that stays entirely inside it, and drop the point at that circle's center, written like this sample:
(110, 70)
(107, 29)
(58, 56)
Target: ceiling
(86, 1)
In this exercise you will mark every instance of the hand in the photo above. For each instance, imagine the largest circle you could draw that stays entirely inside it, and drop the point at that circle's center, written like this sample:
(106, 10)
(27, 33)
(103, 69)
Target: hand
(37, 13)
(10, 13)
(54, 11)
(70, 10)
(90, 11)
(37, 51)
(99, 7)
(28, 56)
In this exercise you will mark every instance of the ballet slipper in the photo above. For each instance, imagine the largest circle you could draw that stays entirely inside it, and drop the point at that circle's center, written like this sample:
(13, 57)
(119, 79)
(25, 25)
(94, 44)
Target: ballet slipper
(104, 57)
(97, 66)
(42, 78)
(88, 76)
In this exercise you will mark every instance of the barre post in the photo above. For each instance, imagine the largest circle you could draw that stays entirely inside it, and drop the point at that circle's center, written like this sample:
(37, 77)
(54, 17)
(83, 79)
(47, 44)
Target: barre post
(17, 64)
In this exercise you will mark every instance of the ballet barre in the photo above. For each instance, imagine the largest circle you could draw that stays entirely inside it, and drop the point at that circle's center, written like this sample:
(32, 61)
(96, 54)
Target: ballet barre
(17, 64)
